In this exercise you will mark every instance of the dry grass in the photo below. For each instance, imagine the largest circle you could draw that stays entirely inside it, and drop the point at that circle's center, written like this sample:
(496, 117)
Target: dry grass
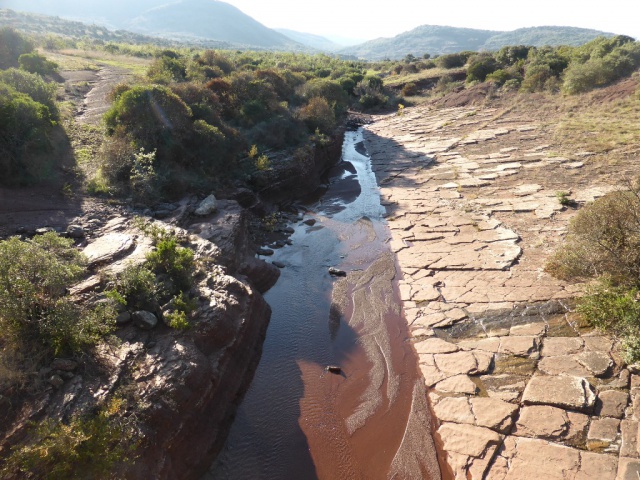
(91, 59)
(601, 128)
(434, 73)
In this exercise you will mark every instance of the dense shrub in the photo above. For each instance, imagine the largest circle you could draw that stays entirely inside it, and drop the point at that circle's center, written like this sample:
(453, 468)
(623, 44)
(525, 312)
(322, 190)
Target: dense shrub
(511, 55)
(87, 446)
(36, 63)
(329, 90)
(34, 86)
(318, 114)
(24, 125)
(172, 259)
(600, 63)
(12, 45)
(410, 89)
(166, 70)
(603, 239)
(153, 116)
(480, 66)
(453, 60)
(538, 78)
(34, 276)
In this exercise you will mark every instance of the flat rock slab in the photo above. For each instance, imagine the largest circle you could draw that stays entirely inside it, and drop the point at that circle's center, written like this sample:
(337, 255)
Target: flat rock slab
(109, 247)
(538, 459)
(550, 423)
(467, 439)
(612, 403)
(562, 391)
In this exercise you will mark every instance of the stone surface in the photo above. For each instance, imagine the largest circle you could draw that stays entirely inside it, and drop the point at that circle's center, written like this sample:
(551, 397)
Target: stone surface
(108, 247)
(612, 403)
(457, 384)
(435, 345)
(602, 433)
(538, 459)
(493, 413)
(561, 346)
(207, 206)
(628, 469)
(467, 439)
(145, 320)
(598, 363)
(542, 421)
(561, 391)
(597, 466)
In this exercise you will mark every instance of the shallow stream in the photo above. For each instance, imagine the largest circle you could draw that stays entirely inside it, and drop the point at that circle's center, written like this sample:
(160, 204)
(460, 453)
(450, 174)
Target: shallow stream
(299, 421)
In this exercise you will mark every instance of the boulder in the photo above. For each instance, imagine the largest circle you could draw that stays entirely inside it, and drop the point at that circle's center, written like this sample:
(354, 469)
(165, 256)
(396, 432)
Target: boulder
(75, 231)
(207, 206)
(337, 272)
(145, 320)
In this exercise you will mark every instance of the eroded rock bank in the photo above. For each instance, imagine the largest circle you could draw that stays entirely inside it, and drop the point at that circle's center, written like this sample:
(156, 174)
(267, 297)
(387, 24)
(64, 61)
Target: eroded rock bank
(520, 388)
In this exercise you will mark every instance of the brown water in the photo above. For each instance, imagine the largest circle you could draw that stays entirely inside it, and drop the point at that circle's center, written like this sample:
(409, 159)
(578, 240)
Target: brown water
(298, 421)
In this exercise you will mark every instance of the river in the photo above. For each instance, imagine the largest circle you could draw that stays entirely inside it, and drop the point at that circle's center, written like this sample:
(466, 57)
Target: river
(299, 421)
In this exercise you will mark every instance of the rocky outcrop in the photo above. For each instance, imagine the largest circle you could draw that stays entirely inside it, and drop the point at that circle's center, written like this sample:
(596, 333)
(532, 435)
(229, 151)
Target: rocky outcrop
(520, 387)
(183, 386)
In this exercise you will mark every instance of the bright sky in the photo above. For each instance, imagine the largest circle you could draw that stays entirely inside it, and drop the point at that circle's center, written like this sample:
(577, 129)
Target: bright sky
(374, 18)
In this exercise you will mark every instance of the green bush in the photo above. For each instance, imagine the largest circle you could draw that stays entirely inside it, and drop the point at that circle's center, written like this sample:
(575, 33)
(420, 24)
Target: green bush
(166, 70)
(452, 60)
(608, 60)
(614, 310)
(479, 67)
(318, 114)
(24, 125)
(152, 116)
(34, 86)
(12, 45)
(329, 90)
(174, 260)
(136, 288)
(603, 239)
(410, 89)
(87, 446)
(36, 63)
(34, 310)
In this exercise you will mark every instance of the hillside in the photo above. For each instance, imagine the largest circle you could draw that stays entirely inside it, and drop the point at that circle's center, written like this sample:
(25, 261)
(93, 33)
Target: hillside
(33, 23)
(541, 36)
(314, 41)
(184, 19)
(208, 19)
(431, 39)
(438, 40)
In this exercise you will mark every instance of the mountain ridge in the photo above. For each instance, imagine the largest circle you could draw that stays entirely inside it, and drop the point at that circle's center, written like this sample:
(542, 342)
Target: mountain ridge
(439, 40)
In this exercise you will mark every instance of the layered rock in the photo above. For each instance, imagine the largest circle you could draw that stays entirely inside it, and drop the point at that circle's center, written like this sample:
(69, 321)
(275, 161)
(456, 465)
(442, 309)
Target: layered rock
(520, 387)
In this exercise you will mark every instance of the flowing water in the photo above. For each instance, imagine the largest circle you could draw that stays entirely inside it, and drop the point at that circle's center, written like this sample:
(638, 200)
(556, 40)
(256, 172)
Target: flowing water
(299, 421)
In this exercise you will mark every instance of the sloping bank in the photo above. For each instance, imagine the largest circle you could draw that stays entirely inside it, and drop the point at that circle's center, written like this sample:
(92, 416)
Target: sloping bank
(182, 387)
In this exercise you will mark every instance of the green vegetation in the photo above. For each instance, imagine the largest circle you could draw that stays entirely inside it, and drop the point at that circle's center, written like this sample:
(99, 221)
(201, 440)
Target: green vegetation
(603, 243)
(87, 446)
(35, 313)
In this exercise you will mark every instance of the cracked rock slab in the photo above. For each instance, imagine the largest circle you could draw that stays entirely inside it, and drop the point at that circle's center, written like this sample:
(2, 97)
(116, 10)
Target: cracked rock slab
(468, 439)
(563, 391)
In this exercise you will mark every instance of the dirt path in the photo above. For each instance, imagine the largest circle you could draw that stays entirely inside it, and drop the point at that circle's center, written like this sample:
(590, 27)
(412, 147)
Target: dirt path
(520, 388)
(96, 101)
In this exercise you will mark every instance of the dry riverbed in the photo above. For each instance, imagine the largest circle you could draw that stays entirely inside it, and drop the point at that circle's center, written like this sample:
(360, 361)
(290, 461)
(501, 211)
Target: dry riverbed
(520, 388)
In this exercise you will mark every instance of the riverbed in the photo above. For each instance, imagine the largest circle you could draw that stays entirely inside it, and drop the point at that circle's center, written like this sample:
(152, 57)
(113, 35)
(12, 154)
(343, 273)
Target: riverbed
(300, 421)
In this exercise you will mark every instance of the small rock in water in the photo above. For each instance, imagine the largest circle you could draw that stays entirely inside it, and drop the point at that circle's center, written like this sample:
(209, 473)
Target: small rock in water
(336, 272)
(144, 320)
(311, 222)
(333, 369)
(207, 206)
(278, 264)
(43, 230)
(287, 230)
(265, 252)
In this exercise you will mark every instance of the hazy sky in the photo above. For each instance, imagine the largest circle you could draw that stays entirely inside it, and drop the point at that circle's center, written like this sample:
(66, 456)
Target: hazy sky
(375, 18)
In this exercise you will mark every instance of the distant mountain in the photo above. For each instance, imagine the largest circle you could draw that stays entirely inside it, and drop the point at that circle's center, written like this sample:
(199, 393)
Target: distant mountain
(541, 36)
(311, 40)
(430, 39)
(179, 19)
(437, 40)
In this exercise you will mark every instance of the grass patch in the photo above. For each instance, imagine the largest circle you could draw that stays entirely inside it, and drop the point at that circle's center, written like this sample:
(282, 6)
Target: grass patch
(601, 128)
(433, 73)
